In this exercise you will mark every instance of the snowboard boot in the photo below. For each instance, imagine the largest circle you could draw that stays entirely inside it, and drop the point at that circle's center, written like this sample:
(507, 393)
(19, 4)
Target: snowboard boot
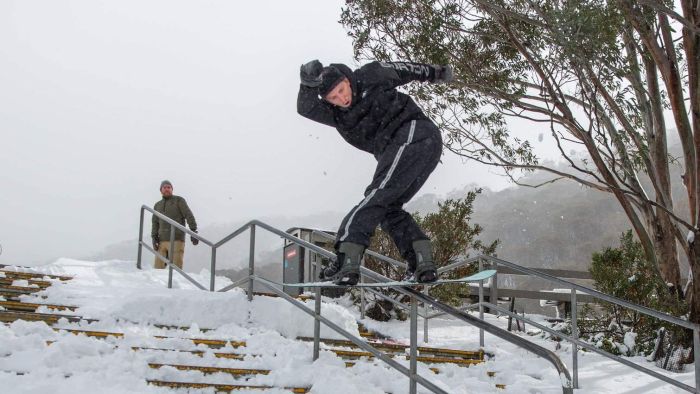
(345, 270)
(424, 271)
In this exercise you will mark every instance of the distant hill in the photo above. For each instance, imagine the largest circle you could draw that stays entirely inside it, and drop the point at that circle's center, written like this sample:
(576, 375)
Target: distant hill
(558, 225)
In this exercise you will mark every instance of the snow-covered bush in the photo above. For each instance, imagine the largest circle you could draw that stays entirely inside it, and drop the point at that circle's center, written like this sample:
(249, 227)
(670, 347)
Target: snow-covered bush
(625, 273)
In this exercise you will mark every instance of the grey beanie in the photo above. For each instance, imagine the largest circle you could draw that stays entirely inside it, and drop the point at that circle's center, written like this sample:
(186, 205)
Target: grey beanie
(165, 182)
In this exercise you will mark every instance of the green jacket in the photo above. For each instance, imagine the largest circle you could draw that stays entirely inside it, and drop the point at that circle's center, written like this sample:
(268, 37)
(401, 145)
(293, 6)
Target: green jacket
(174, 207)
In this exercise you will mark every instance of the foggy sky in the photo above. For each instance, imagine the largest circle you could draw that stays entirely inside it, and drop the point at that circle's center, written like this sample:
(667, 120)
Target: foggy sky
(101, 100)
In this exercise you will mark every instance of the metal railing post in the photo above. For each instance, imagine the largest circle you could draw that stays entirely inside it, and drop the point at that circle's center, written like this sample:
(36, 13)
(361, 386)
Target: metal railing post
(414, 345)
(213, 269)
(481, 305)
(574, 334)
(696, 355)
(425, 318)
(171, 250)
(317, 322)
(251, 263)
(138, 254)
(363, 301)
(493, 289)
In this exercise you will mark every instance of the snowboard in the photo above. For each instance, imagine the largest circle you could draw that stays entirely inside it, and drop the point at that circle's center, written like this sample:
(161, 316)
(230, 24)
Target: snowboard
(482, 275)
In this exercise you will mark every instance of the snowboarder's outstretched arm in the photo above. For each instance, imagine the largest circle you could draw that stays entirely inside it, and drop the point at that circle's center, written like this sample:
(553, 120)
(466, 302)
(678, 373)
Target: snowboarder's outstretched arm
(309, 105)
(401, 73)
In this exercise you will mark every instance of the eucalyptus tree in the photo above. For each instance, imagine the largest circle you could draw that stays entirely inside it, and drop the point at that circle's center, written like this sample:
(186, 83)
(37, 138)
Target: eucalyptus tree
(609, 77)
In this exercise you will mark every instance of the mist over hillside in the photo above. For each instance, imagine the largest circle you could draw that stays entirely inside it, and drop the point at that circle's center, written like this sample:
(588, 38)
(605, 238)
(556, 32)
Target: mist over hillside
(558, 225)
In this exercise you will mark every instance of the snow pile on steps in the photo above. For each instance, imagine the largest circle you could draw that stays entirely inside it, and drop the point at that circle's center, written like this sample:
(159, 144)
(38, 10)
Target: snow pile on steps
(128, 300)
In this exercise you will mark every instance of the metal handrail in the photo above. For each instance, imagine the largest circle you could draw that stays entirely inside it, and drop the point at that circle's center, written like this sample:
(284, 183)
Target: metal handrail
(595, 293)
(415, 297)
(213, 245)
(540, 351)
(425, 315)
(445, 309)
(252, 278)
(565, 376)
(574, 339)
(592, 348)
(360, 343)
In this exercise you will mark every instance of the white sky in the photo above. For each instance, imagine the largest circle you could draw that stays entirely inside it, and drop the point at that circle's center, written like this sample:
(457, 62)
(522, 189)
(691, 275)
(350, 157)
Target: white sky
(101, 100)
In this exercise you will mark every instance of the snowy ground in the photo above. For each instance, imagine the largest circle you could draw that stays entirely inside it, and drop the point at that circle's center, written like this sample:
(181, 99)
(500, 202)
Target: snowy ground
(128, 300)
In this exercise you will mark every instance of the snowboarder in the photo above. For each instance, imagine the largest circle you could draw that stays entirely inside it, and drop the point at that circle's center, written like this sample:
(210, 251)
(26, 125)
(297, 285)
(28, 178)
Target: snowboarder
(370, 114)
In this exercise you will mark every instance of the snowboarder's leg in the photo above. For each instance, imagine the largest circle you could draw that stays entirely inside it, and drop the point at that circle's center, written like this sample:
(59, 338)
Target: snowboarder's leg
(345, 270)
(404, 230)
(413, 245)
(402, 169)
(425, 270)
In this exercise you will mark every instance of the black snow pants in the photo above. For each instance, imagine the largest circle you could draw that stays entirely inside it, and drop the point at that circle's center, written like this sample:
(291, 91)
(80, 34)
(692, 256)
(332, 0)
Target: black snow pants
(402, 169)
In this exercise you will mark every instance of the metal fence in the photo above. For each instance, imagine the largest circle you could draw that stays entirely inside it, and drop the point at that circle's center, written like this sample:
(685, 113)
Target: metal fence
(568, 384)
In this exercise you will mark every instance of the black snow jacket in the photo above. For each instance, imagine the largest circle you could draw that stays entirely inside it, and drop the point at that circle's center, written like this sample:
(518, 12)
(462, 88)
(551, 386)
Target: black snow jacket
(377, 109)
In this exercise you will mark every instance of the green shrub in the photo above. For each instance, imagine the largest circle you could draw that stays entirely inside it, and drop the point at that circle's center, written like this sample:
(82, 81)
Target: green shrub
(625, 273)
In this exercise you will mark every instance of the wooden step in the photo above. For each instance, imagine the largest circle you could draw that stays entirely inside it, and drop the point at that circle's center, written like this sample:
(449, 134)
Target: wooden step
(11, 316)
(212, 343)
(220, 387)
(32, 275)
(303, 297)
(93, 334)
(17, 290)
(27, 310)
(199, 353)
(353, 354)
(4, 282)
(398, 348)
(170, 327)
(11, 294)
(370, 334)
(30, 307)
(210, 370)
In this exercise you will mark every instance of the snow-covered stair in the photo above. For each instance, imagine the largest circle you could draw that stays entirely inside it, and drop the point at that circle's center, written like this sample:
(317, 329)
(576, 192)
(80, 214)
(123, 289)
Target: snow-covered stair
(122, 329)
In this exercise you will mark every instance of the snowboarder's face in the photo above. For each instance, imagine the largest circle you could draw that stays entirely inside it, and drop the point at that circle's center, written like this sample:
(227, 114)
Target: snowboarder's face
(166, 191)
(341, 94)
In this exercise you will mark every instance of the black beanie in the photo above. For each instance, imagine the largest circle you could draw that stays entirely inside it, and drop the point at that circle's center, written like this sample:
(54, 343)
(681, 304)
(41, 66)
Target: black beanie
(331, 76)
(165, 182)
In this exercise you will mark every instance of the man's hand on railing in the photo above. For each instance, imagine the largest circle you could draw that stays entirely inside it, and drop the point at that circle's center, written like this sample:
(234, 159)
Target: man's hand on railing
(156, 243)
(194, 240)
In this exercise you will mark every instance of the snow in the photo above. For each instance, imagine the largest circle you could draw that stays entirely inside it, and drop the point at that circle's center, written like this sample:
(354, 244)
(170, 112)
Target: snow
(130, 301)
(691, 237)
(23, 283)
(630, 340)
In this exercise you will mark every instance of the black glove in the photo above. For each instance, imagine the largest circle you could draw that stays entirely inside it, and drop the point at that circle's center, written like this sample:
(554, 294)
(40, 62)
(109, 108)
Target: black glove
(156, 243)
(194, 240)
(310, 74)
(444, 74)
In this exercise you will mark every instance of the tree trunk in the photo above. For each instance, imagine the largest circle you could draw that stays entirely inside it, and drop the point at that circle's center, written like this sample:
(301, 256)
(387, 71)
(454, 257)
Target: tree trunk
(694, 299)
(666, 252)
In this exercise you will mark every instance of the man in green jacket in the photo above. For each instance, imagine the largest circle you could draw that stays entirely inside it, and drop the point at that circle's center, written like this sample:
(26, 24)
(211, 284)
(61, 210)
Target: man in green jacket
(174, 207)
